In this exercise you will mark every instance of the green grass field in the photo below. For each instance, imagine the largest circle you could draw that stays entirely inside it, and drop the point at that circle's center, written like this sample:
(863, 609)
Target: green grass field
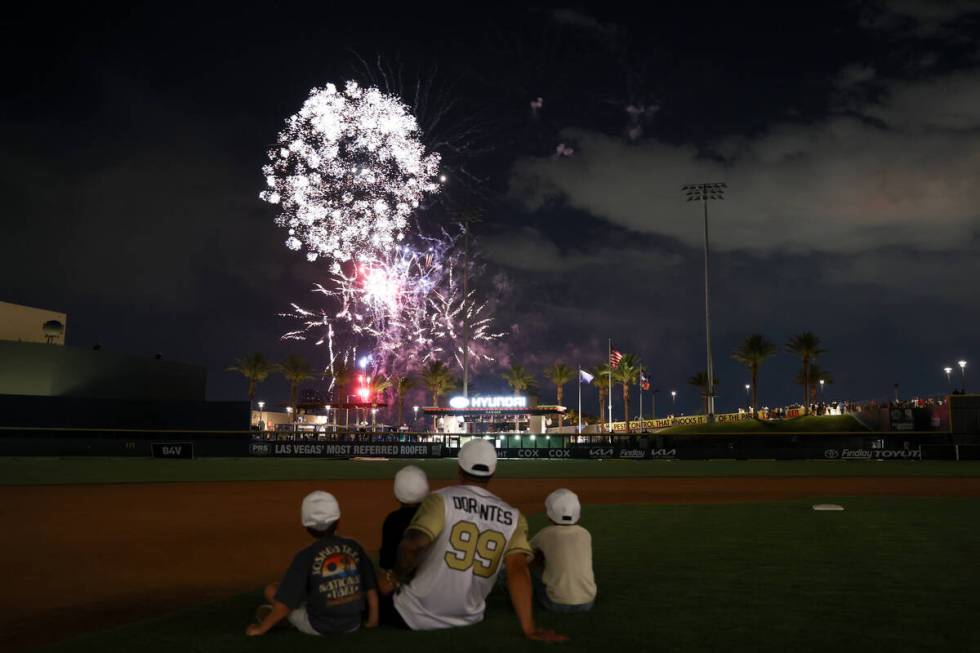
(58, 471)
(809, 424)
(889, 574)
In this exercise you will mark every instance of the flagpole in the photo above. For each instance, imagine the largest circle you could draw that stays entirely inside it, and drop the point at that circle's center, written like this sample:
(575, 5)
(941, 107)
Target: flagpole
(580, 400)
(610, 390)
(639, 387)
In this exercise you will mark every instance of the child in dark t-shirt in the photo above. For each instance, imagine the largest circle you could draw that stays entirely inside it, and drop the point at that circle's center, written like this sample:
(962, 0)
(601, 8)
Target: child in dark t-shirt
(328, 584)
(411, 487)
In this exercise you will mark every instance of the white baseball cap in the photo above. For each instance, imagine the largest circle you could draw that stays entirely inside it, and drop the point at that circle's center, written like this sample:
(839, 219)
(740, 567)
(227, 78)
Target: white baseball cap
(478, 457)
(563, 507)
(411, 485)
(320, 509)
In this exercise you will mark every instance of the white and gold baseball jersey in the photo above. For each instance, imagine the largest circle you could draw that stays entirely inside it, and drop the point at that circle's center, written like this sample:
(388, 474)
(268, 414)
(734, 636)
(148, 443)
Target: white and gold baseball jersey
(472, 533)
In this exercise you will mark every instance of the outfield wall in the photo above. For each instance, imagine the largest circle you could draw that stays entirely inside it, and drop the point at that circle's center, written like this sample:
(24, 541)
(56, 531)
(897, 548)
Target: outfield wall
(237, 444)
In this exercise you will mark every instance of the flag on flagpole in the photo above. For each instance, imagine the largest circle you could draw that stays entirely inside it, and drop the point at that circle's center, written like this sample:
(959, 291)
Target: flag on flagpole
(614, 358)
(584, 377)
(644, 382)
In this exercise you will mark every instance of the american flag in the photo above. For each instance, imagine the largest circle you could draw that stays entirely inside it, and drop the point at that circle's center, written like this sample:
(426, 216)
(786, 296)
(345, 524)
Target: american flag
(644, 382)
(614, 358)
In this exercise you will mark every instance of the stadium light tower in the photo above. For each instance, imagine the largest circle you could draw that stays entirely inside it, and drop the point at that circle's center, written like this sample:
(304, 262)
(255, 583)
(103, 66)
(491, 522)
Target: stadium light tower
(705, 192)
(962, 365)
(949, 380)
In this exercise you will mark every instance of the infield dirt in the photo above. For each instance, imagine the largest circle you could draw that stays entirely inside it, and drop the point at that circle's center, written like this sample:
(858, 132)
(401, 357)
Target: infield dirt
(86, 557)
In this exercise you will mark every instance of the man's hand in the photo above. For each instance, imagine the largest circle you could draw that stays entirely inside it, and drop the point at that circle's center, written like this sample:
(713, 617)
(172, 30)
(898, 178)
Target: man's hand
(254, 630)
(387, 583)
(546, 635)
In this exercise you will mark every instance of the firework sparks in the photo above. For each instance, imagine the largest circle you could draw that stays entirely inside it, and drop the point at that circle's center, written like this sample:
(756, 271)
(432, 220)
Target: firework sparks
(347, 172)
(406, 304)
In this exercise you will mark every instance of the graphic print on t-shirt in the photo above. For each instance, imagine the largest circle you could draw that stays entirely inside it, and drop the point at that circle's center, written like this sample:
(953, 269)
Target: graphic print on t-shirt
(340, 581)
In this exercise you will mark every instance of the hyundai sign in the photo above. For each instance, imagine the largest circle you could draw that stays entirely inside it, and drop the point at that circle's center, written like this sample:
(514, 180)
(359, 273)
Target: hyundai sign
(504, 401)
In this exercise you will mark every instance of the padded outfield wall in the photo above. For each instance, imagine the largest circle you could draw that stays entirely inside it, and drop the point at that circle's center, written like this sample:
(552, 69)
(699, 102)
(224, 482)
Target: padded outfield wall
(237, 444)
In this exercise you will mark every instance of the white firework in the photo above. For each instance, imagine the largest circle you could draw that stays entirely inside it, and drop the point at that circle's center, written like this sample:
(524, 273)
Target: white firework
(347, 172)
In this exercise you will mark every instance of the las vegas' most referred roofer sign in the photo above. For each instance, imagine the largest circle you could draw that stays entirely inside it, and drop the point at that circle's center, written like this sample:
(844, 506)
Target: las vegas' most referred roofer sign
(503, 401)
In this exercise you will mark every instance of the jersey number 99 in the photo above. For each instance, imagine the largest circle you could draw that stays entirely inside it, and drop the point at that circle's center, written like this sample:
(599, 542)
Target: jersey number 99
(476, 549)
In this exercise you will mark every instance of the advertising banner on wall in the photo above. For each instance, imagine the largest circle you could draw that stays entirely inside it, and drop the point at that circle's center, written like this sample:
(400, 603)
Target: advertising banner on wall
(587, 451)
(346, 449)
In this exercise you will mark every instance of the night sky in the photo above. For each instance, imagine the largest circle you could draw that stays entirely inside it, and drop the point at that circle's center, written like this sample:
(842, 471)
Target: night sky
(849, 135)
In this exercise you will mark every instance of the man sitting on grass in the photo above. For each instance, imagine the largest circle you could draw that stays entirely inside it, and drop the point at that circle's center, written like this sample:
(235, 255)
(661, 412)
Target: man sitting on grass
(328, 584)
(452, 551)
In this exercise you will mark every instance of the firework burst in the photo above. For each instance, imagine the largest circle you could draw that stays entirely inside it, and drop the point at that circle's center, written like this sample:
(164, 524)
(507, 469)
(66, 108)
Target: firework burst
(347, 172)
(407, 305)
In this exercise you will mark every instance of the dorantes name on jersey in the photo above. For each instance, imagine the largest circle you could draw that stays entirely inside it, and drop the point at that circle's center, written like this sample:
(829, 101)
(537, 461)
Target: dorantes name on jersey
(486, 511)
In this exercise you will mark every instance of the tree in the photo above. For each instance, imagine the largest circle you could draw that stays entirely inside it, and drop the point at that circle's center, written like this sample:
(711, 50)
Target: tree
(342, 377)
(700, 381)
(378, 385)
(559, 374)
(817, 374)
(402, 384)
(438, 380)
(807, 347)
(752, 353)
(601, 382)
(254, 367)
(627, 373)
(518, 378)
(295, 369)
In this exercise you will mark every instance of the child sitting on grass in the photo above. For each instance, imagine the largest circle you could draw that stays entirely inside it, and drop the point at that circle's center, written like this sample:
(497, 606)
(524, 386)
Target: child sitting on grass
(411, 487)
(564, 551)
(328, 584)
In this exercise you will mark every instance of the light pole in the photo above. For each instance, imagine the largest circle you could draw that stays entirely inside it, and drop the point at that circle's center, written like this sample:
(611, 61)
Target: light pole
(821, 388)
(962, 365)
(949, 380)
(415, 422)
(262, 414)
(748, 402)
(705, 192)
(673, 402)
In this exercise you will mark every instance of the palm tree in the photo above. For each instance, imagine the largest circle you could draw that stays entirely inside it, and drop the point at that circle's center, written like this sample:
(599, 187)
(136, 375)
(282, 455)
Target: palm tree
(342, 377)
(559, 374)
(752, 353)
(254, 367)
(295, 369)
(700, 381)
(816, 373)
(807, 347)
(519, 379)
(378, 384)
(626, 374)
(601, 382)
(438, 380)
(402, 384)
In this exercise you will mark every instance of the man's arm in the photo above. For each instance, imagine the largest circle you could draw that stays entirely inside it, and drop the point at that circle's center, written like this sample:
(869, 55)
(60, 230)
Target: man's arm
(519, 586)
(278, 613)
(409, 549)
